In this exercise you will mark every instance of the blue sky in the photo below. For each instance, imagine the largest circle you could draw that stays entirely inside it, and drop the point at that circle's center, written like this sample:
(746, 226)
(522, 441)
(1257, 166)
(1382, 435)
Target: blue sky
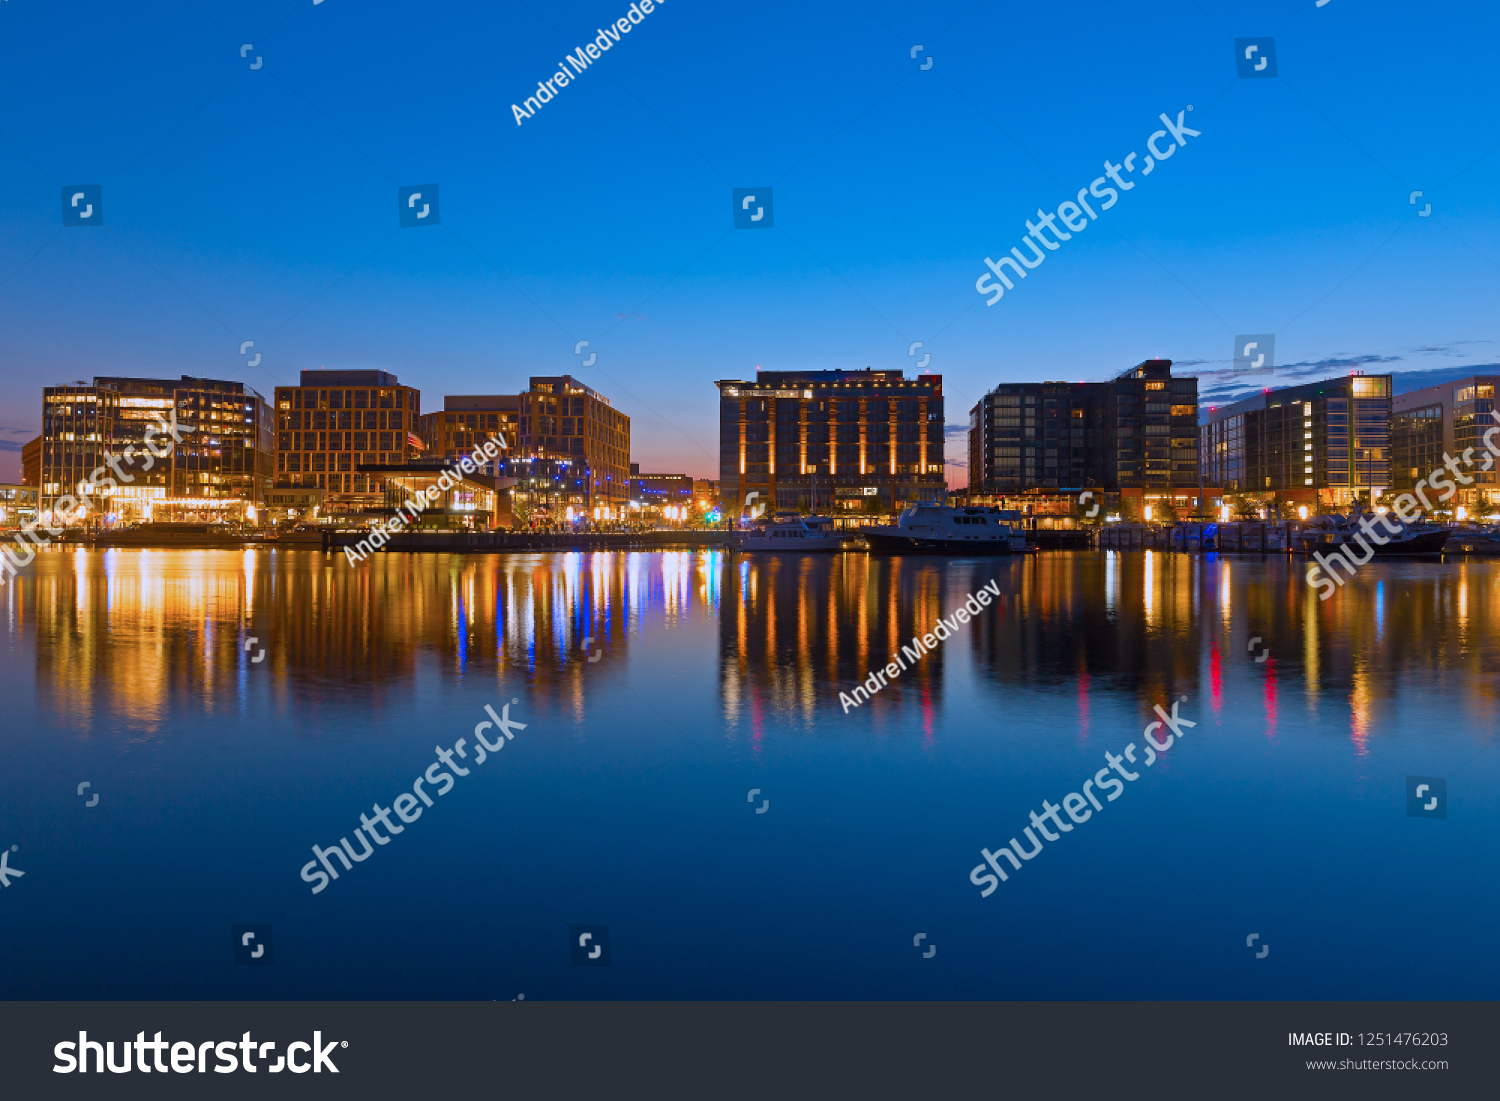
(260, 204)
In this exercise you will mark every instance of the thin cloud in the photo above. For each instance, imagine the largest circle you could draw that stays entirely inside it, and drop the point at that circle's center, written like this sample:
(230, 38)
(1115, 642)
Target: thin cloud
(1402, 382)
(13, 439)
(1341, 362)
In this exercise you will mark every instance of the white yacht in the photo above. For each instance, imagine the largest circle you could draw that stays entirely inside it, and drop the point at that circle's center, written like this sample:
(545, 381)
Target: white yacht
(788, 532)
(938, 529)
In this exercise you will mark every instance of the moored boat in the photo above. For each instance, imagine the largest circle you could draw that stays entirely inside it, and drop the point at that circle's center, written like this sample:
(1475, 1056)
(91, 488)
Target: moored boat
(173, 534)
(939, 529)
(1329, 533)
(789, 533)
(1469, 540)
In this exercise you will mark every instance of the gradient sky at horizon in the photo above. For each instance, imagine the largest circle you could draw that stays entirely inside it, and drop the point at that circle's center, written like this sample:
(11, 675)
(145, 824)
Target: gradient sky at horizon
(260, 204)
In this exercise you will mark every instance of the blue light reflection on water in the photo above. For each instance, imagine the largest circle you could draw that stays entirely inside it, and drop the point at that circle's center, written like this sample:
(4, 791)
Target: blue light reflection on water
(623, 802)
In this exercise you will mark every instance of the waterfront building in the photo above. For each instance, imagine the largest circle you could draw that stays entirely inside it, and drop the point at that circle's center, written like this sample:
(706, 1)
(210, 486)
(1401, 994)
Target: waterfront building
(336, 429)
(548, 491)
(562, 419)
(1447, 419)
(659, 490)
(286, 504)
(1323, 443)
(469, 421)
(220, 470)
(18, 505)
(471, 502)
(830, 440)
(1133, 437)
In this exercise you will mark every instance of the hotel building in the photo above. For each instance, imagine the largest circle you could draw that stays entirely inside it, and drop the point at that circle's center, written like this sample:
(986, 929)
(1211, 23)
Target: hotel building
(1324, 443)
(1135, 436)
(1448, 419)
(817, 440)
(220, 470)
(337, 421)
(563, 419)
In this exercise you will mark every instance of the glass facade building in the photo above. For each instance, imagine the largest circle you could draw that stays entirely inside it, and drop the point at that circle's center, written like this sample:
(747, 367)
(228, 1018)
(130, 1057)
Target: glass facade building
(1449, 418)
(1135, 434)
(1324, 442)
(220, 470)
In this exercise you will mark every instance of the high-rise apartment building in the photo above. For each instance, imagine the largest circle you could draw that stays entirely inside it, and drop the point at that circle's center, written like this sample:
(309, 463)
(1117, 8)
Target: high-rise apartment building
(1447, 419)
(469, 421)
(338, 421)
(821, 440)
(220, 470)
(1135, 435)
(561, 418)
(1323, 442)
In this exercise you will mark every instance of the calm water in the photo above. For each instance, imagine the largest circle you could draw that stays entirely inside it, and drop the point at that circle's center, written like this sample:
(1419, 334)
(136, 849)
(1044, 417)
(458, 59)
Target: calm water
(625, 800)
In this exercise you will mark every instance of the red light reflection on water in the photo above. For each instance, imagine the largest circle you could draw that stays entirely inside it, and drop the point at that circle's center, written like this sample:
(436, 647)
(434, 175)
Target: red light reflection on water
(1271, 698)
(1215, 677)
(1083, 707)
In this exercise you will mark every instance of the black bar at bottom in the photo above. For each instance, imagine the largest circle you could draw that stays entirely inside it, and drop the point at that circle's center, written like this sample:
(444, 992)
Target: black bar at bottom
(761, 1050)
